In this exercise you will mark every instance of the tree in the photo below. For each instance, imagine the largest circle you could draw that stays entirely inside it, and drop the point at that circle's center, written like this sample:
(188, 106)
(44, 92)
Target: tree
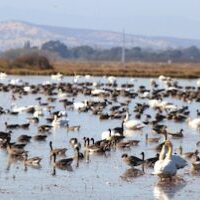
(56, 46)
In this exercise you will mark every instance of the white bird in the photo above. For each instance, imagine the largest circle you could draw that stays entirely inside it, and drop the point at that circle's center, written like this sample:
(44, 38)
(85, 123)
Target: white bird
(112, 80)
(194, 123)
(165, 167)
(80, 105)
(16, 82)
(133, 124)
(179, 161)
(57, 76)
(198, 82)
(106, 135)
(98, 91)
(59, 122)
(20, 109)
(87, 76)
(3, 75)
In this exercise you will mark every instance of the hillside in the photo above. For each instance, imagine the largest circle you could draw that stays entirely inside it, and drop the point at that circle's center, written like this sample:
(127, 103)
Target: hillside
(15, 33)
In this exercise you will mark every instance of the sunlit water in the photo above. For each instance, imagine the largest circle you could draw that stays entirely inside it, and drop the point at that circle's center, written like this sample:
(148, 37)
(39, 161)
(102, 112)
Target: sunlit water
(100, 177)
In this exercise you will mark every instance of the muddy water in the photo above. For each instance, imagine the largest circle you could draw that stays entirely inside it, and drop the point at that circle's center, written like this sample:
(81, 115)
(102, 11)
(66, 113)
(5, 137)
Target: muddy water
(98, 176)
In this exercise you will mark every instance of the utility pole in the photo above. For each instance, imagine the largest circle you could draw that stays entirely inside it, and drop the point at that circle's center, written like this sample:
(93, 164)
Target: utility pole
(123, 48)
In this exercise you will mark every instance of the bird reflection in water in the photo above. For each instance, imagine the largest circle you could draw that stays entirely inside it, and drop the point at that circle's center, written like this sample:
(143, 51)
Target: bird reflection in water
(67, 168)
(132, 173)
(166, 190)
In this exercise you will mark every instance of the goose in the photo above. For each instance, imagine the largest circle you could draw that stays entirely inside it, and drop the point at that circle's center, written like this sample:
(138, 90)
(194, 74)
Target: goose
(151, 140)
(188, 154)
(133, 124)
(94, 148)
(31, 161)
(131, 173)
(132, 160)
(78, 155)
(11, 126)
(24, 126)
(57, 151)
(4, 136)
(119, 130)
(13, 151)
(165, 167)
(176, 135)
(63, 163)
(44, 128)
(149, 162)
(13, 145)
(73, 128)
(24, 138)
(122, 145)
(39, 137)
(195, 162)
(98, 142)
(33, 119)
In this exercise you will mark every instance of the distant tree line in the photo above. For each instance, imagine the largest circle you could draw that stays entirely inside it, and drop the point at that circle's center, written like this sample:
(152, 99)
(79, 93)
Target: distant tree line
(57, 50)
(191, 54)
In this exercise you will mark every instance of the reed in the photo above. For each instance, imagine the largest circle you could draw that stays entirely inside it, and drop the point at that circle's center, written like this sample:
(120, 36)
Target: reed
(131, 69)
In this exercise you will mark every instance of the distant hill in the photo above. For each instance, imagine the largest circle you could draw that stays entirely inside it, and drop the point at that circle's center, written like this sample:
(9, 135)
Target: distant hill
(15, 33)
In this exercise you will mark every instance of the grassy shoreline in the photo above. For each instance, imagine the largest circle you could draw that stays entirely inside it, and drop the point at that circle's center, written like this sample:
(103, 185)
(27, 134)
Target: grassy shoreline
(130, 69)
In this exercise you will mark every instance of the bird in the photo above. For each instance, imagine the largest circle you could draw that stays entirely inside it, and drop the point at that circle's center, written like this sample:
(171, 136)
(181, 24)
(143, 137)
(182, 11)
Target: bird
(31, 161)
(165, 167)
(59, 122)
(73, 128)
(152, 139)
(57, 151)
(133, 124)
(94, 148)
(195, 163)
(149, 162)
(24, 138)
(132, 160)
(176, 135)
(63, 163)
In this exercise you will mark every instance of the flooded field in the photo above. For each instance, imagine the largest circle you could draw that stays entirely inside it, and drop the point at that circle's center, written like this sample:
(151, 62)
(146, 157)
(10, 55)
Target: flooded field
(104, 105)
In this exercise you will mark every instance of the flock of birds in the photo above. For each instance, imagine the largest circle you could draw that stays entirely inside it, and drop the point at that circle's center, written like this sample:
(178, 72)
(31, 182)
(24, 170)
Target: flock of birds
(107, 101)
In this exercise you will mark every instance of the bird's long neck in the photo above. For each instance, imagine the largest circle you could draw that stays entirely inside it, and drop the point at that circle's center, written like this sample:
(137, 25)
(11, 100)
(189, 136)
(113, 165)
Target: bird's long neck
(169, 153)
(146, 137)
(127, 117)
(165, 134)
(162, 153)
(54, 158)
(51, 147)
(122, 127)
(88, 142)
(143, 156)
(92, 139)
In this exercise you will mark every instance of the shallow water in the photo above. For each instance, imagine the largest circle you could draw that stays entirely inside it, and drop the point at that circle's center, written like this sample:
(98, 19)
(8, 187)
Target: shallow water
(100, 176)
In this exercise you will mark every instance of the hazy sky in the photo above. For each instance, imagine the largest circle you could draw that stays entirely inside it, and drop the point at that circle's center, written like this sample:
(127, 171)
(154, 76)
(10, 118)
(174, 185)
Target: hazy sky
(180, 18)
